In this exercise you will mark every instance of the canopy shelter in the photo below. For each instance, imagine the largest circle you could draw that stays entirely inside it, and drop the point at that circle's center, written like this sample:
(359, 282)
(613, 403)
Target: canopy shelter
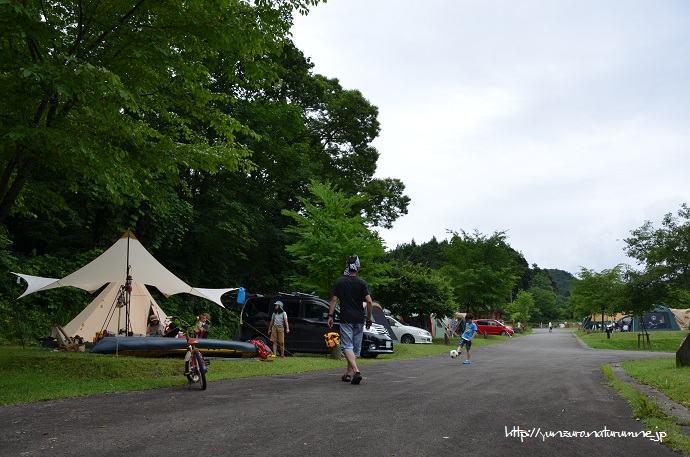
(127, 263)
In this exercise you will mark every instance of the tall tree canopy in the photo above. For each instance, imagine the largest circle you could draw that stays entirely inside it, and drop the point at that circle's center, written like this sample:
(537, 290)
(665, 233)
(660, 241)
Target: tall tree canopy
(328, 232)
(114, 96)
(599, 292)
(541, 288)
(415, 289)
(288, 153)
(520, 310)
(664, 257)
(214, 214)
(430, 254)
(483, 270)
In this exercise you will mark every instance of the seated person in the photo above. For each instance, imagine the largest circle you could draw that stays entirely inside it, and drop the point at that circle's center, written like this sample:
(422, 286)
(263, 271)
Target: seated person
(202, 326)
(155, 328)
(172, 330)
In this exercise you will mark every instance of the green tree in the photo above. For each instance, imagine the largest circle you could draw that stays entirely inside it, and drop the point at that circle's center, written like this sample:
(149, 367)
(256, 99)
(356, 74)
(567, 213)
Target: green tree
(521, 308)
(120, 95)
(541, 290)
(431, 253)
(562, 281)
(288, 153)
(415, 289)
(603, 292)
(343, 125)
(482, 269)
(328, 232)
(644, 290)
(664, 256)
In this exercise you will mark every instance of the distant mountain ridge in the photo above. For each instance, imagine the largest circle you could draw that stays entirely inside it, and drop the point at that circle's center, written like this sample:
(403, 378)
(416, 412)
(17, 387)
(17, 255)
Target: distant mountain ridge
(562, 279)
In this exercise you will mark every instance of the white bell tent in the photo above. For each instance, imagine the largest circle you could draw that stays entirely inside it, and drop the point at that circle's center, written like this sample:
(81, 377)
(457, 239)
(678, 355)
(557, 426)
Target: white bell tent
(126, 268)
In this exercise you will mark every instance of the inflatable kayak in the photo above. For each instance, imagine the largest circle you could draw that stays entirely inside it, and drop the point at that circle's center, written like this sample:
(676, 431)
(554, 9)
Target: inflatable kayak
(140, 346)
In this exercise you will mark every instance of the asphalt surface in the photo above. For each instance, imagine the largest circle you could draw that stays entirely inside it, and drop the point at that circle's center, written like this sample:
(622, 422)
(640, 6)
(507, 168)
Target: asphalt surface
(534, 386)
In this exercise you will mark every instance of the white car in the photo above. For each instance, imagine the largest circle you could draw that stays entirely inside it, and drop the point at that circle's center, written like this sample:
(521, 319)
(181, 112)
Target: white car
(407, 334)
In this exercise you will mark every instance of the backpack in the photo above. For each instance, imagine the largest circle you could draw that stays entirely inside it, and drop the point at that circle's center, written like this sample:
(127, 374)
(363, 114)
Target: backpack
(261, 349)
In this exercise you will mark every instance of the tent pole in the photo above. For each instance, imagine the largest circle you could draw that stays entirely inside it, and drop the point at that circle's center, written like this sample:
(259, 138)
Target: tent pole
(128, 290)
(117, 340)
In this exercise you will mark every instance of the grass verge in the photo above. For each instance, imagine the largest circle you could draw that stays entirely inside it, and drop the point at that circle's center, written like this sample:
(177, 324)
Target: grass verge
(660, 374)
(663, 375)
(32, 374)
(649, 413)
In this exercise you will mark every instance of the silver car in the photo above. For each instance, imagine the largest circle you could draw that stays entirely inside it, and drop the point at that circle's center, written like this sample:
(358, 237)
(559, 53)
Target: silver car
(408, 334)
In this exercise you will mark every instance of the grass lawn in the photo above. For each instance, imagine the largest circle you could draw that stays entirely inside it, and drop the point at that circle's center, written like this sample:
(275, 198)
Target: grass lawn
(628, 341)
(34, 374)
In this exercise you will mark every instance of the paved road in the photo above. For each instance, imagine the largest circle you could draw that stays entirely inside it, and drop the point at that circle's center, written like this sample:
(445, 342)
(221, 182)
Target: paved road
(422, 407)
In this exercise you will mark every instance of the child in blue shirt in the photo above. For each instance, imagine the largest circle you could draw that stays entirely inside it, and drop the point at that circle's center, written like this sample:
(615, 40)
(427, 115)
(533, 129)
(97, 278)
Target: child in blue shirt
(467, 336)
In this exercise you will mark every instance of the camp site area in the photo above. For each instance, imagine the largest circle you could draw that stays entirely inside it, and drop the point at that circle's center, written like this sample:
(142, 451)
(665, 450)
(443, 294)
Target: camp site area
(116, 320)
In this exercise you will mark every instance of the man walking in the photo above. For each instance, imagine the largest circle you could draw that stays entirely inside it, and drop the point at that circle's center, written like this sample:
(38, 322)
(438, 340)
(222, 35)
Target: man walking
(351, 291)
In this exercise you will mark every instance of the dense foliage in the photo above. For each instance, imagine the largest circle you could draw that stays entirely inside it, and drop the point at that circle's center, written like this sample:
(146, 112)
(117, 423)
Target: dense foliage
(483, 274)
(199, 125)
(328, 231)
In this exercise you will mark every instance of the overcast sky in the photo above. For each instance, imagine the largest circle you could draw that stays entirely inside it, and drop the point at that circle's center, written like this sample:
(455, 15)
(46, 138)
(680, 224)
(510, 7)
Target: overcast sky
(564, 123)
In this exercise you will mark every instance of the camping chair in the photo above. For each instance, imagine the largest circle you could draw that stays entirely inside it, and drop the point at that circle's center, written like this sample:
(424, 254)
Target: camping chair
(65, 343)
(449, 328)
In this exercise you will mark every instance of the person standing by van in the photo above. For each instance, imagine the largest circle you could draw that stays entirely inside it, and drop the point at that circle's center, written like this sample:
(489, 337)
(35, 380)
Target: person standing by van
(278, 327)
(351, 291)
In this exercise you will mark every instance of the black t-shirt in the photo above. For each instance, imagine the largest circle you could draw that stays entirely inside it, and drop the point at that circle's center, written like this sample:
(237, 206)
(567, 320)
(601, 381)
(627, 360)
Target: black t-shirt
(351, 291)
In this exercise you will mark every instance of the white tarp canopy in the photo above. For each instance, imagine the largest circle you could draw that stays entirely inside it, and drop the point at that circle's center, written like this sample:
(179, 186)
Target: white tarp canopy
(111, 266)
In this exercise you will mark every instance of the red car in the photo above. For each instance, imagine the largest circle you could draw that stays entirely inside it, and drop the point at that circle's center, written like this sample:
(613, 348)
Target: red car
(492, 327)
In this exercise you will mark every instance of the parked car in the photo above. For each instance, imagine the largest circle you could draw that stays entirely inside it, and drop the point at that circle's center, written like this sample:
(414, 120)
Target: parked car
(493, 327)
(626, 322)
(308, 316)
(408, 334)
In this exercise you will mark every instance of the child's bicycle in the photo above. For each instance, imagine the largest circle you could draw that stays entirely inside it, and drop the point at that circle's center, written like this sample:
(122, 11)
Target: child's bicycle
(195, 366)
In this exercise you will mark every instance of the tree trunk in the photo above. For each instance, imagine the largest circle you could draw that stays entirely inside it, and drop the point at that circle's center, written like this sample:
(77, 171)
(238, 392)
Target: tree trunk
(10, 196)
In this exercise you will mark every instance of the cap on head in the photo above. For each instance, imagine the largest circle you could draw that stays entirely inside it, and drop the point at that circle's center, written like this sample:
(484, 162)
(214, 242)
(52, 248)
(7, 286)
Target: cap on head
(279, 304)
(153, 319)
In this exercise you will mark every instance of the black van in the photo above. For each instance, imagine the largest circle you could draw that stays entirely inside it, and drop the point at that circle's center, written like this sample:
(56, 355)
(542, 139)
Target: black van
(308, 316)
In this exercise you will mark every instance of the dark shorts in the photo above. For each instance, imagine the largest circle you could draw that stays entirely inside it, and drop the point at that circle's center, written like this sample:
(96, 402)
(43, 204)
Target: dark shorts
(464, 342)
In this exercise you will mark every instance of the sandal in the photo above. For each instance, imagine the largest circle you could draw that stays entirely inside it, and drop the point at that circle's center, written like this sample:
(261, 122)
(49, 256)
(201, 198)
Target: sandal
(357, 378)
(345, 378)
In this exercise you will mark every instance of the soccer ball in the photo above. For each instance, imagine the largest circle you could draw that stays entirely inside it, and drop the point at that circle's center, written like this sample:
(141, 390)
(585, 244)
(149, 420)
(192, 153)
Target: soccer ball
(453, 354)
